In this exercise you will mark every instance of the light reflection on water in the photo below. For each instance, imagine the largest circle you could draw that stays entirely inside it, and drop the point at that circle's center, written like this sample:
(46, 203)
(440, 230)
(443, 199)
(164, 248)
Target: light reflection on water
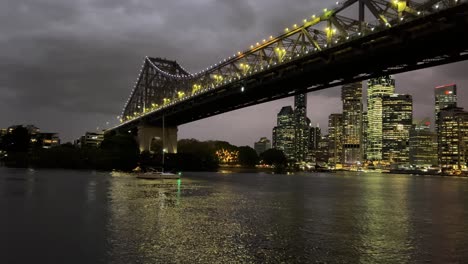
(232, 218)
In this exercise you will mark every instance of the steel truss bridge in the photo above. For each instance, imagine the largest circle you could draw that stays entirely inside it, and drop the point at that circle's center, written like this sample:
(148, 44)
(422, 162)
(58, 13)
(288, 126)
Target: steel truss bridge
(327, 49)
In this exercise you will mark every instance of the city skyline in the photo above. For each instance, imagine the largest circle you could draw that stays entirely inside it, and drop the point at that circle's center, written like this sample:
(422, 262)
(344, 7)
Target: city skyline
(80, 65)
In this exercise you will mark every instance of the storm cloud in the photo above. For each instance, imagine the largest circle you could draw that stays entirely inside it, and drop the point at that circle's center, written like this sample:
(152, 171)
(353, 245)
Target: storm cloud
(68, 66)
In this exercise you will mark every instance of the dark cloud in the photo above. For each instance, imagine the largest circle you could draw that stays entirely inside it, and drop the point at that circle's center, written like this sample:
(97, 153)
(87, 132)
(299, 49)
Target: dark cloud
(68, 66)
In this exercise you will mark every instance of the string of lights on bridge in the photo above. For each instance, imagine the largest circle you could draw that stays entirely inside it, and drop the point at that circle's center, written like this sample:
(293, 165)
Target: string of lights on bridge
(222, 80)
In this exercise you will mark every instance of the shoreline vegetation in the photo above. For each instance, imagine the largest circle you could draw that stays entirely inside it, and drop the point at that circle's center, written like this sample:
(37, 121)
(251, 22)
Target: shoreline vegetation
(120, 152)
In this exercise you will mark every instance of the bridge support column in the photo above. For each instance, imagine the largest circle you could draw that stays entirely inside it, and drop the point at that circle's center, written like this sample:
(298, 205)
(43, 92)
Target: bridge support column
(146, 134)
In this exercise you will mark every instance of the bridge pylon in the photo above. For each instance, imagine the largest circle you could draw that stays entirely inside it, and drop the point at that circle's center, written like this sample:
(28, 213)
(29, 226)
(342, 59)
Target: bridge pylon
(146, 134)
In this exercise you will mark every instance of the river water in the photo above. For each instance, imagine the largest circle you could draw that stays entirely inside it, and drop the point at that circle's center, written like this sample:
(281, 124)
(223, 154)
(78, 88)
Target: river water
(49, 216)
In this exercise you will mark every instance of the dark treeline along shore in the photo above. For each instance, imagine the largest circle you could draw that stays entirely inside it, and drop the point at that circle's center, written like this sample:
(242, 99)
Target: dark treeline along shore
(121, 152)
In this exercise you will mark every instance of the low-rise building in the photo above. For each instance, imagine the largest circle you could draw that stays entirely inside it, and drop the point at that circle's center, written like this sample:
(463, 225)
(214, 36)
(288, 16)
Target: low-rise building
(90, 139)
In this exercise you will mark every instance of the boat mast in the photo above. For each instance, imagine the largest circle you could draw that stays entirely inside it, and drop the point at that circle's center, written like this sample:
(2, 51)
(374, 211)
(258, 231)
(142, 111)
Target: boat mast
(164, 150)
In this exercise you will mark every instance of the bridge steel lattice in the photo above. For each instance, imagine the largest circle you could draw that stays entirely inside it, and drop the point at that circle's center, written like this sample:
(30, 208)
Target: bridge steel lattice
(326, 50)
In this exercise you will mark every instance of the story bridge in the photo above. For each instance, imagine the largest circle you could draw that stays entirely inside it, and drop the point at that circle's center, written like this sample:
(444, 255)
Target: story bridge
(374, 38)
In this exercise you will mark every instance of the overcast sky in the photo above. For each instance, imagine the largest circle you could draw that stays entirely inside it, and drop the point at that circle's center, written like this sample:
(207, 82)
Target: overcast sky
(68, 66)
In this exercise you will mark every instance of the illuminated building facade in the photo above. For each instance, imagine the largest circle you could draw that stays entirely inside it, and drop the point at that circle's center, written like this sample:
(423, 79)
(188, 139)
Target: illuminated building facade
(321, 153)
(262, 145)
(377, 88)
(364, 136)
(453, 138)
(397, 120)
(445, 96)
(301, 128)
(351, 96)
(423, 144)
(91, 139)
(45, 140)
(335, 138)
(283, 133)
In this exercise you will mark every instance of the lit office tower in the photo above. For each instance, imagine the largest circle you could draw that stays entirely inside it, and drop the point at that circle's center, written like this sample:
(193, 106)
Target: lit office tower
(445, 96)
(314, 137)
(423, 144)
(301, 129)
(351, 95)
(453, 138)
(397, 120)
(376, 89)
(283, 133)
(262, 145)
(335, 137)
(364, 136)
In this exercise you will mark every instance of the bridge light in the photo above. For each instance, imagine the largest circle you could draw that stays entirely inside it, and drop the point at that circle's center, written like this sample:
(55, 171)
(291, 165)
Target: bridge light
(325, 10)
(295, 25)
(305, 21)
(337, 3)
(271, 37)
(242, 89)
(437, 6)
(251, 46)
(419, 13)
(286, 29)
(313, 16)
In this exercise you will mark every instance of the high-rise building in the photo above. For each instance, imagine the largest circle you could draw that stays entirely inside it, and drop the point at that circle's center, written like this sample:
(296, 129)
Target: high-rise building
(397, 119)
(351, 96)
(314, 137)
(364, 136)
(321, 154)
(284, 132)
(377, 88)
(445, 96)
(335, 137)
(453, 137)
(423, 144)
(262, 145)
(301, 128)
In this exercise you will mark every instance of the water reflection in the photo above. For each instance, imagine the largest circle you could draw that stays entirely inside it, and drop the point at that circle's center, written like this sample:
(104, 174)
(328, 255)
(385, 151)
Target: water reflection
(232, 218)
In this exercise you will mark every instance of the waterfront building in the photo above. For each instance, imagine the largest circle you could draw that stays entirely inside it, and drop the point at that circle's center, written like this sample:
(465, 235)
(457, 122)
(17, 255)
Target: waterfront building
(45, 140)
(335, 138)
(321, 154)
(423, 144)
(397, 119)
(377, 88)
(364, 136)
(262, 145)
(91, 139)
(314, 137)
(445, 96)
(3, 131)
(453, 138)
(301, 128)
(351, 96)
(284, 132)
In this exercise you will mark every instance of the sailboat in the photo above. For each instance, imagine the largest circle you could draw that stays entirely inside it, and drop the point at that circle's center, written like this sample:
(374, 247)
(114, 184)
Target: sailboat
(159, 175)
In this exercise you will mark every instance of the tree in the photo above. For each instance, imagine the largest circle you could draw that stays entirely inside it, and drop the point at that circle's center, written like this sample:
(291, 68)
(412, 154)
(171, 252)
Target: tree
(18, 140)
(118, 152)
(274, 157)
(247, 156)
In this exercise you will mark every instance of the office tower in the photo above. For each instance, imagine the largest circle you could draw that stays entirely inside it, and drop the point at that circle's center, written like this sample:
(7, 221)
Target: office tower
(314, 137)
(283, 133)
(445, 96)
(377, 88)
(335, 137)
(262, 145)
(397, 119)
(301, 128)
(321, 153)
(453, 137)
(351, 96)
(364, 136)
(423, 144)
